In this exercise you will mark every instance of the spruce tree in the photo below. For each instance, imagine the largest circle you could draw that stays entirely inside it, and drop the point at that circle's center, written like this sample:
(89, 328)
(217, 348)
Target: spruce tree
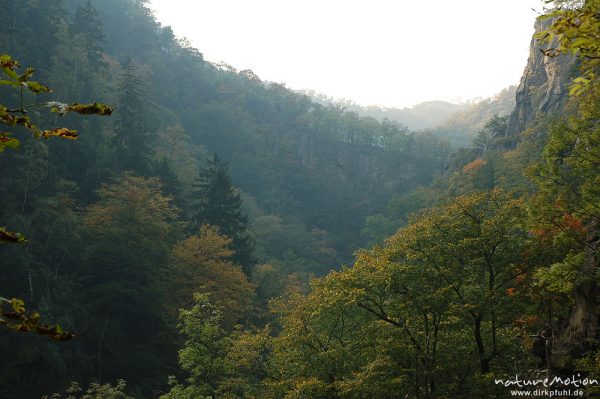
(131, 128)
(219, 204)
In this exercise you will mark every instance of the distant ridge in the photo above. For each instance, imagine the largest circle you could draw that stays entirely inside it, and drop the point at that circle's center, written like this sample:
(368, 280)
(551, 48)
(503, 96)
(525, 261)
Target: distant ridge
(424, 115)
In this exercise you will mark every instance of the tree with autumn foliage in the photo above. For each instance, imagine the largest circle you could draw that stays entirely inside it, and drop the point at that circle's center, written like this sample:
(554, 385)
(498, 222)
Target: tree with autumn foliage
(128, 235)
(203, 263)
(431, 313)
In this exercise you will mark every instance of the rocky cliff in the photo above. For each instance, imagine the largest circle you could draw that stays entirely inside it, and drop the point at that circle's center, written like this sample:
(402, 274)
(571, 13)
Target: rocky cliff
(544, 85)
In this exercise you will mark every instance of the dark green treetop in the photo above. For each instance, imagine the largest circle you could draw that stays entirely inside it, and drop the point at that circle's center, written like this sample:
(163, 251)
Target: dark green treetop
(218, 204)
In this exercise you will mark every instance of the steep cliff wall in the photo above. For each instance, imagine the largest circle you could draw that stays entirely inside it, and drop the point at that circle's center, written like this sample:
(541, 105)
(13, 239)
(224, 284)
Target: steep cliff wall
(544, 85)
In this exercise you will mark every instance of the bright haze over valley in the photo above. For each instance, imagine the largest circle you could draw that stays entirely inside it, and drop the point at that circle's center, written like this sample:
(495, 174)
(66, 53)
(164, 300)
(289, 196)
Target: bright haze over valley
(378, 52)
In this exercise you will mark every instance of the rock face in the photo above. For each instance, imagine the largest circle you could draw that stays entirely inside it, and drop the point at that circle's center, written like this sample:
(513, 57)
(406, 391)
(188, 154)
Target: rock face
(544, 85)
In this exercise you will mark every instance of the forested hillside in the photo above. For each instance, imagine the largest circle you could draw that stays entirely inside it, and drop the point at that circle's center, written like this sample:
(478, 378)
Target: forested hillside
(187, 230)
(421, 116)
(305, 176)
(460, 127)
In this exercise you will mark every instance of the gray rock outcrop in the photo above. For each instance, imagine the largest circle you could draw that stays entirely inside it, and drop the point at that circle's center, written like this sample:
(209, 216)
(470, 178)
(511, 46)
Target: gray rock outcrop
(544, 85)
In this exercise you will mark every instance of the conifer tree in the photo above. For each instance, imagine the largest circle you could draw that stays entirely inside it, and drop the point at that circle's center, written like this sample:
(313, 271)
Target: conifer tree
(132, 133)
(219, 204)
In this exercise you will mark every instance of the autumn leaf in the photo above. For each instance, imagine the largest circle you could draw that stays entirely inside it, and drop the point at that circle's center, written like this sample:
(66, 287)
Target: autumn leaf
(8, 142)
(7, 62)
(8, 236)
(61, 132)
(16, 319)
(37, 87)
(8, 66)
(18, 305)
(91, 109)
(28, 74)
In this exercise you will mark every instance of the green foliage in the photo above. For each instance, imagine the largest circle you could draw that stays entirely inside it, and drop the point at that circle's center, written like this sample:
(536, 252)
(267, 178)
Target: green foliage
(575, 29)
(399, 208)
(132, 131)
(460, 128)
(17, 319)
(568, 171)
(127, 236)
(17, 117)
(95, 391)
(86, 24)
(203, 352)
(567, 211)
(493, 130)
(560, 278)
(287, 244)
(416, 317)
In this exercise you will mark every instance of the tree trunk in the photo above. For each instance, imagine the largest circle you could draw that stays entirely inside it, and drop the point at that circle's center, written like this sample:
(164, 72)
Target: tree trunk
(484, 361)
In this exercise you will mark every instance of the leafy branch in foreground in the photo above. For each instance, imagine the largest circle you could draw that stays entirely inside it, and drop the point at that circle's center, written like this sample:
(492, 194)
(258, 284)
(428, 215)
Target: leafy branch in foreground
(12, 311)
(17, 117)
(8, 236)
(13, 315)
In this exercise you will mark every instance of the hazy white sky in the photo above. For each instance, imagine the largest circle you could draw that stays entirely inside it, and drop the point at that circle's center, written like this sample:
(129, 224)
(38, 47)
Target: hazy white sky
(387, 52)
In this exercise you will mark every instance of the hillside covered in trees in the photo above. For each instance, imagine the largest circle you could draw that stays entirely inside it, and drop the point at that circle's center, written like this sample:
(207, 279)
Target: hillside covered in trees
(187, 230)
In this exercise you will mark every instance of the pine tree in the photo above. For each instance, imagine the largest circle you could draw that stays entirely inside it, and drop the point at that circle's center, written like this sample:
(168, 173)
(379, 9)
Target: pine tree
(132, 133)
(219, 204)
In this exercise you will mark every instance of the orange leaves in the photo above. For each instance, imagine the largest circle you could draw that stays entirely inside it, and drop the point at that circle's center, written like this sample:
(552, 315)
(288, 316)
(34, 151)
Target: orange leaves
(571, 222)
(474, 166)
(539, 232)
(203, 262)
(568, 222)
